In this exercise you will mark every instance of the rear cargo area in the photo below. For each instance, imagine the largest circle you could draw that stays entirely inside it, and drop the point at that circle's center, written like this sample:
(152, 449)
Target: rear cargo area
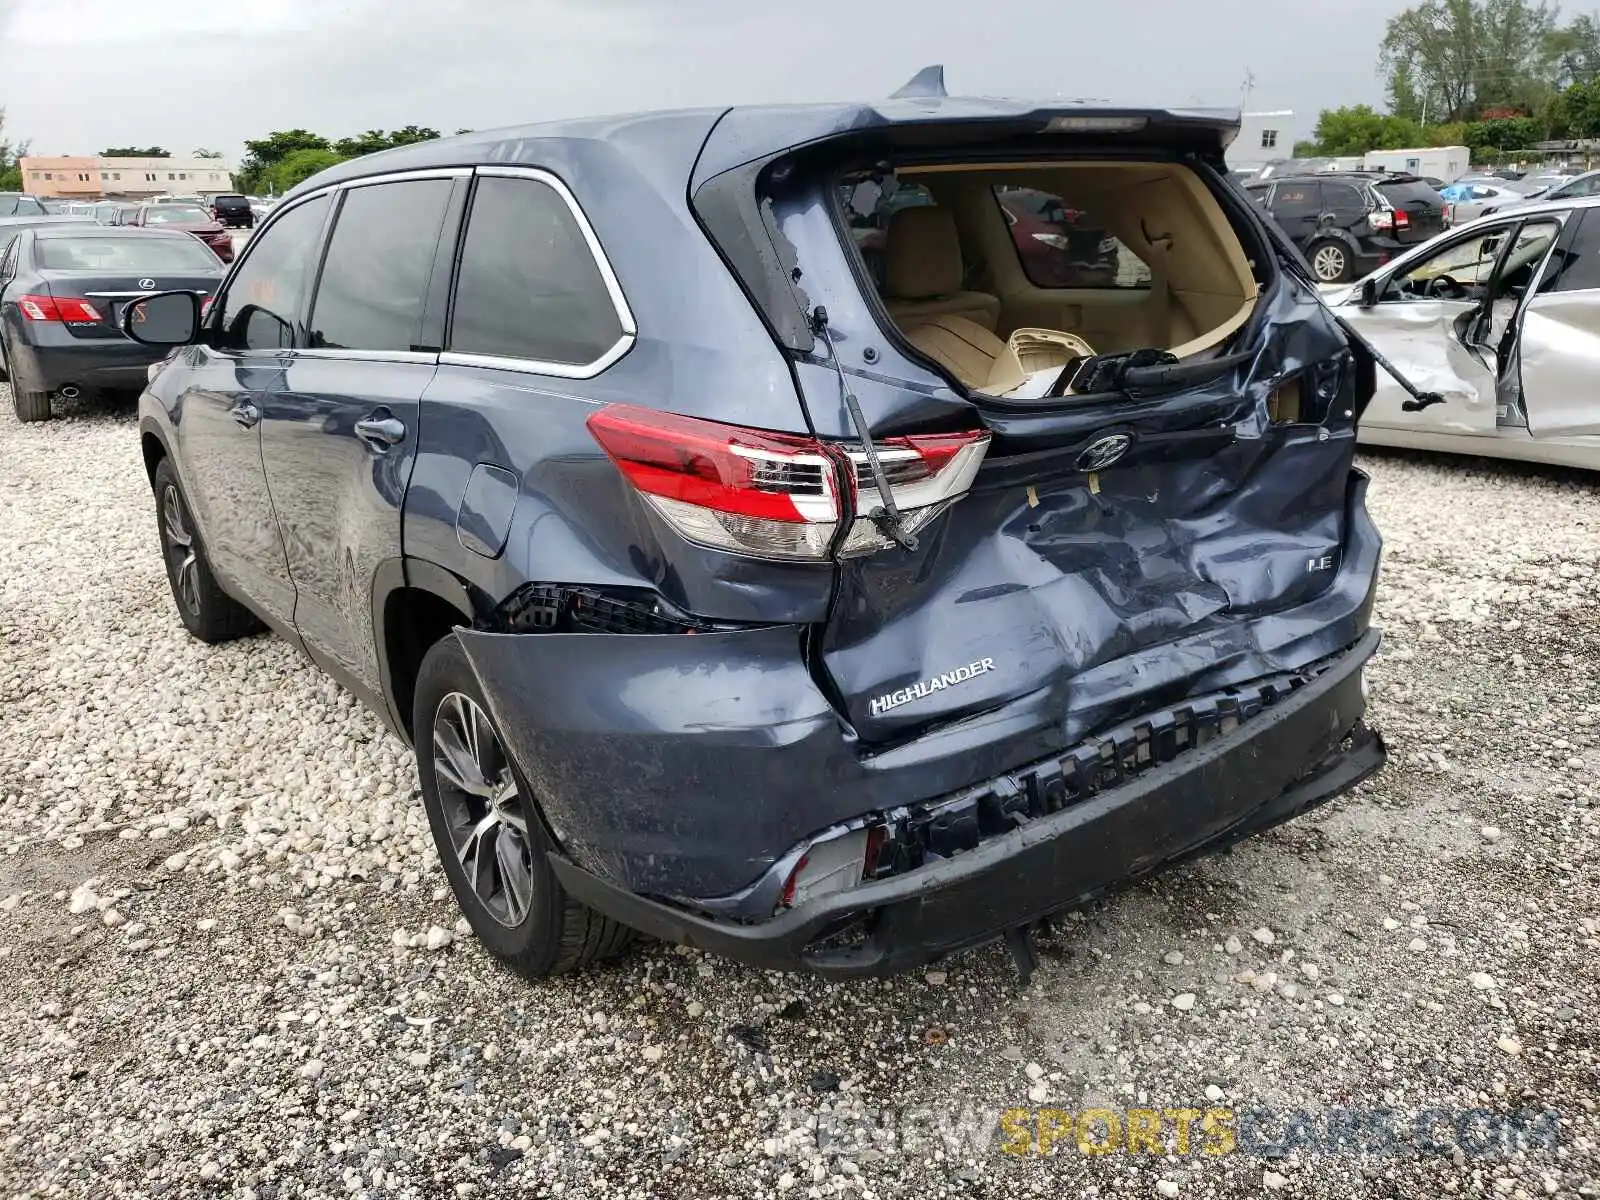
(1120, 255)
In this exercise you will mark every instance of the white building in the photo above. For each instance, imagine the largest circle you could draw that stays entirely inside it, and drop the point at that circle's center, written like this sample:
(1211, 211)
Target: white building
(1264, 137)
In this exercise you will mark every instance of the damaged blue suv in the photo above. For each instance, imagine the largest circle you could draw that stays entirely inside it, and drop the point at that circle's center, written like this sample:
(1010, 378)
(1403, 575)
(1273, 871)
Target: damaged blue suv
(832, 535)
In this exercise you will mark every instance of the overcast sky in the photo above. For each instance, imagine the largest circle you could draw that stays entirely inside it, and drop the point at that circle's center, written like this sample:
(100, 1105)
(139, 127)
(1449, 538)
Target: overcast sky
(80, 75)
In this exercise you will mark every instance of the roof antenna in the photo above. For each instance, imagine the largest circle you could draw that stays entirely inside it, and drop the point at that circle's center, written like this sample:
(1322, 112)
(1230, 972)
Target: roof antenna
(926, 83)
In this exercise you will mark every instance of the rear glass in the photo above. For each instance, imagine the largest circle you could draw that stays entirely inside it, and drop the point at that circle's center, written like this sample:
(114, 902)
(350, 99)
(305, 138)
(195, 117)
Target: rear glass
(176, 214)
(132, 253)
(20, 206)
(1410, 195)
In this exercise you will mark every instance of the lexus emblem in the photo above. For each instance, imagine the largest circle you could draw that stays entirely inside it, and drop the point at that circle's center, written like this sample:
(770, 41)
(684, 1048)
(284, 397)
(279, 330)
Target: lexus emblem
(147, 285)
(1103, 451)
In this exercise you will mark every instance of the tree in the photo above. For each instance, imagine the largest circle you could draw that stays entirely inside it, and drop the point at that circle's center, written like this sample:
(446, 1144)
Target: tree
(1358, 128)
(263, 155)
(370, 142)
(299, 165)
(1576, 50)
(204, 153)
(1451, 59)
(1574, 113)
(10, 172)
(411, 134)
(136, 152)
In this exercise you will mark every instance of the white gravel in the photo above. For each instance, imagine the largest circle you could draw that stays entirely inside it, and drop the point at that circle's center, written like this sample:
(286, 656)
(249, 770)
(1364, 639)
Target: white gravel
(229, 965)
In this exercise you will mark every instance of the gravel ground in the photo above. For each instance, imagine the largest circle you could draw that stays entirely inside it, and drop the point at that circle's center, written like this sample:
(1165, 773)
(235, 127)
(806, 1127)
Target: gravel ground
(229, 965)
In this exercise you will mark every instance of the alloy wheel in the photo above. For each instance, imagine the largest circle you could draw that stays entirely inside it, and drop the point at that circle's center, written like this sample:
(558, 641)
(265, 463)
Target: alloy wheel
(482, 808)
(1328, 263)
(180, 549)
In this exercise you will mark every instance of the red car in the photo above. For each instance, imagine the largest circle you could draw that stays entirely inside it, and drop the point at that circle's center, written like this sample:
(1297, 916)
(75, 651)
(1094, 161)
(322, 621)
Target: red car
(189, 218)
(1056, 250)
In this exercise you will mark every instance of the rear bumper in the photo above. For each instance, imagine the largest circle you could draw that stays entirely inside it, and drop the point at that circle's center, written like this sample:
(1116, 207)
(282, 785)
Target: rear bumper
(57, 359)
(1303, 750)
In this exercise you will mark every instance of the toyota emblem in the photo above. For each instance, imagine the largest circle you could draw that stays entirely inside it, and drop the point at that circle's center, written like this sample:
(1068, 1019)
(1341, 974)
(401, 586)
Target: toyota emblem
(1103, 451)
(147, 285)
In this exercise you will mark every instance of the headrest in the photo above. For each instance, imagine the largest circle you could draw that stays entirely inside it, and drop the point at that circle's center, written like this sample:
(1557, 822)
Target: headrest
(922, 254)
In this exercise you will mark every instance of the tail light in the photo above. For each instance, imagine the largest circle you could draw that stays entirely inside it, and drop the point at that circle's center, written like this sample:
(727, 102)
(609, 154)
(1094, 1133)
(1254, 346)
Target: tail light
(1381, 219)
(774, 495)
(1402, 220)
(70, 309)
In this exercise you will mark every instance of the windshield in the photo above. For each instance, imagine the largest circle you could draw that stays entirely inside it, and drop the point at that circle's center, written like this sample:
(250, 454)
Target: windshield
(20, 206)
(132, 253)
(177, 214)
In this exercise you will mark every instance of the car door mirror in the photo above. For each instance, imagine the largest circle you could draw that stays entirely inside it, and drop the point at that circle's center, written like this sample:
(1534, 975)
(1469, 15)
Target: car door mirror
(1369, 293)
(165, 319)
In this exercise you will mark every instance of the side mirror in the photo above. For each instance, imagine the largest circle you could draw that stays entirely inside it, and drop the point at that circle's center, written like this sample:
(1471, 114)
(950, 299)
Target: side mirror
(165, 319)
(1369, 293)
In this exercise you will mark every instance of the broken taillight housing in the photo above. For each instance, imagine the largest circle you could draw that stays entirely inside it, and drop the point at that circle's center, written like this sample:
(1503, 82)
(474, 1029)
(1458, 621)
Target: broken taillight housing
(779, 495)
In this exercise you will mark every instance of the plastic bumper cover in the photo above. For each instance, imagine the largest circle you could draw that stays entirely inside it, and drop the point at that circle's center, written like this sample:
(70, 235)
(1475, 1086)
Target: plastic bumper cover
(1304, 750)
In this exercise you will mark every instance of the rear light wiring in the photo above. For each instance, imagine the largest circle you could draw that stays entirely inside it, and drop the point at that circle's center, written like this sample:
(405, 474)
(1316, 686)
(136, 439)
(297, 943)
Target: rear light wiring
(776, 495)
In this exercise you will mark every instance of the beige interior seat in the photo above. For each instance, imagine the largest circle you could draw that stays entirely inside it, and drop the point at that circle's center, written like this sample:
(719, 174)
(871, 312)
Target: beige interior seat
(923, 271)
(958, 344)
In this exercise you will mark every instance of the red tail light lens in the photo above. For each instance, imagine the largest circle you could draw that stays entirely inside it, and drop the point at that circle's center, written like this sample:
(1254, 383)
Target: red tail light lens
(776, 495)
(1402, 219)
(70, 309)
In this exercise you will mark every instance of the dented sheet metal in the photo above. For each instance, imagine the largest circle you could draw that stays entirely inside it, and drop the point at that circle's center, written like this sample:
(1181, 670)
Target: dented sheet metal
(684, 766)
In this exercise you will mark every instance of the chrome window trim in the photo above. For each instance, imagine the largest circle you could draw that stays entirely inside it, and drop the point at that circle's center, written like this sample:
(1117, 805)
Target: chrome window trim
(398, 356)
(608, 276)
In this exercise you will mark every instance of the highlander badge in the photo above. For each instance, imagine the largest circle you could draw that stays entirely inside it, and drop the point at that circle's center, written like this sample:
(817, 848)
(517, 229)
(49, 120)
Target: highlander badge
(938, 683)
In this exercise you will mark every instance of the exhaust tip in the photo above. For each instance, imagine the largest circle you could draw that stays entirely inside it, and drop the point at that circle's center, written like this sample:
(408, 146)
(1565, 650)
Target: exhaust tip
(69, 392)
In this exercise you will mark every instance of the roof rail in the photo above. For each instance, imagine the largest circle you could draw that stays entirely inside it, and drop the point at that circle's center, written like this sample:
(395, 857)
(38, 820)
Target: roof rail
(927, 82)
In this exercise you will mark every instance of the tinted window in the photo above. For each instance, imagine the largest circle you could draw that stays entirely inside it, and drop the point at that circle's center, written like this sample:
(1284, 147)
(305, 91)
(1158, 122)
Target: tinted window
(374, 281)
(1296, 199)
(263, 301)
(126, 253)
(1063, 246)
(1342, 198)
(1412, 196)
(1580, 265)
(529, 286)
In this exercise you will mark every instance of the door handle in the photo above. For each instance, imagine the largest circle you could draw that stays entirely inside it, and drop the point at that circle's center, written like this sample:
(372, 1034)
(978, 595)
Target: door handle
(245, 414)
(381, 432)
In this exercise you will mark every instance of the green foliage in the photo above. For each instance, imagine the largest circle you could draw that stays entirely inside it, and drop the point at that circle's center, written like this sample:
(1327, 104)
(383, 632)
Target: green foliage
(263, 155)
(1574, 113)
(1510, 133)
(1456, 58)
(136, 152)
(10, 173)
(1576, 51)
(299, 165)
(1358, 128)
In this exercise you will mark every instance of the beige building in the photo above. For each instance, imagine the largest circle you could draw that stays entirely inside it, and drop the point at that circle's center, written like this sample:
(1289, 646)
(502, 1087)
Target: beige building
(76, 177)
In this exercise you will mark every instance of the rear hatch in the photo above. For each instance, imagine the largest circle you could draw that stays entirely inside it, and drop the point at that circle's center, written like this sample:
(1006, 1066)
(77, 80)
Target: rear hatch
(92, 279)
(1093, 554)
(1423, 207)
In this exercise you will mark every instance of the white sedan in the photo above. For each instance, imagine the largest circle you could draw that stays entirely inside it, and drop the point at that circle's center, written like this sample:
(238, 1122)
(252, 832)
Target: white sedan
(1501, 318)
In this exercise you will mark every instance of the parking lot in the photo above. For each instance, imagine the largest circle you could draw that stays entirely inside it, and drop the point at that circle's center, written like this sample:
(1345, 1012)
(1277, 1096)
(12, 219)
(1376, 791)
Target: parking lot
(229, 964)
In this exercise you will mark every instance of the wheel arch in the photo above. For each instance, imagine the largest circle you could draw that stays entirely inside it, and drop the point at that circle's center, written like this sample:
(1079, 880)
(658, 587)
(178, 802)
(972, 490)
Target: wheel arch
(414, 604)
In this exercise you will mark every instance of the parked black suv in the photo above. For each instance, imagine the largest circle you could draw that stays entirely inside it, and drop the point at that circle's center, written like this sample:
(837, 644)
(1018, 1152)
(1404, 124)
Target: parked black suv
(728, 595)
(233, 210)
(1347, 224)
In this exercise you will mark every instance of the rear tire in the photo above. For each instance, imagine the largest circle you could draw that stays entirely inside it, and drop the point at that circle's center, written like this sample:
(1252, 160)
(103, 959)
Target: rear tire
(207, 611)
(490, 835)
(30, 406)
(1330, 261)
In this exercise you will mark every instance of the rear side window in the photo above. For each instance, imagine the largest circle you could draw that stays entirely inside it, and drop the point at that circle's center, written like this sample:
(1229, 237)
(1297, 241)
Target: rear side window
(1342, 199)
(125, 253)
(263, 301)
(529, 287)
(1296, 199)
(1580, 265)
(1410, 195)
(20, 206)
(374, 283)
(1062, 246)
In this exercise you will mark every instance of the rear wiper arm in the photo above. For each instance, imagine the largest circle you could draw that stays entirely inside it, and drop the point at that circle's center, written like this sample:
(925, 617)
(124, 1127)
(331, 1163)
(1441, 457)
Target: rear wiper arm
(887, 517)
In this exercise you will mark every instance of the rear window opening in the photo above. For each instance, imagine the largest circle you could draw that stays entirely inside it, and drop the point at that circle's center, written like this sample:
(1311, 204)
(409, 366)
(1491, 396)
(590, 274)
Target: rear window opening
(1007, 276)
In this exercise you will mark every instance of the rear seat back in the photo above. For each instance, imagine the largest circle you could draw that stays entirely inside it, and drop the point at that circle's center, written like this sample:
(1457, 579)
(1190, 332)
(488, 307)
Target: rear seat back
(923, 271)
